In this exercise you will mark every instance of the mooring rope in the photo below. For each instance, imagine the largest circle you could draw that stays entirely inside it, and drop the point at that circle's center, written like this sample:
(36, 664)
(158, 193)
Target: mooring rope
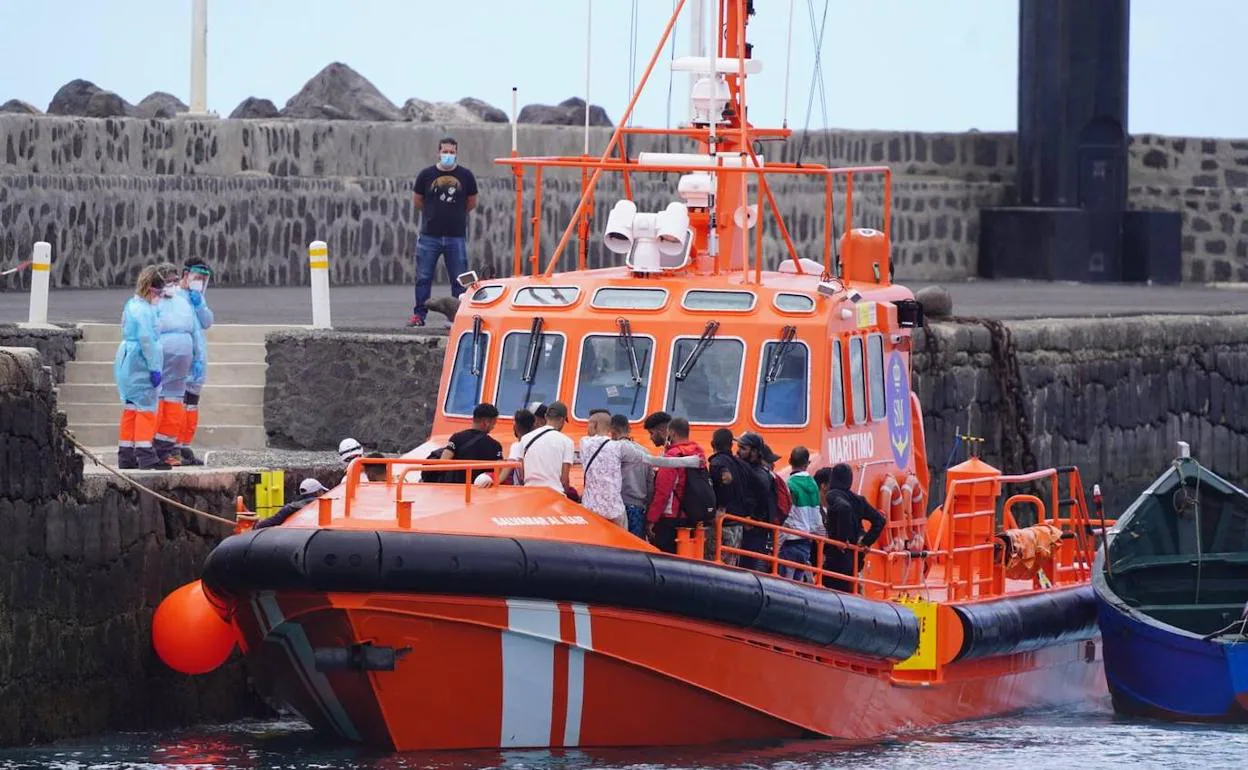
(145, 490)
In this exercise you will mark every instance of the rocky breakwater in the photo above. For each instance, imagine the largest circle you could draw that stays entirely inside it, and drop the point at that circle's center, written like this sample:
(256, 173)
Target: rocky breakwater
(85, 561)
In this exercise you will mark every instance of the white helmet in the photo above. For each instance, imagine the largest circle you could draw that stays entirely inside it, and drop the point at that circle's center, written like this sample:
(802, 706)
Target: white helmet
(349, 449)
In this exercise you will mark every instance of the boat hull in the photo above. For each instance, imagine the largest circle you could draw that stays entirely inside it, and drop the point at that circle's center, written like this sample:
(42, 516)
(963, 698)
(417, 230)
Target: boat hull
(479, 672)
(1153, 670)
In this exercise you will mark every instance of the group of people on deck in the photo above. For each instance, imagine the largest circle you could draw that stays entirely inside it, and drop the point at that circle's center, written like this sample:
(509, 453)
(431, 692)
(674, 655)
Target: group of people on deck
(642, 492)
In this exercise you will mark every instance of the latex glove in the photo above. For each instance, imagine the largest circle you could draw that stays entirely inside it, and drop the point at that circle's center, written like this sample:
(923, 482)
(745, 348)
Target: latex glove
(483, 481)
(197, 370)
(197, 298)
(155, 378)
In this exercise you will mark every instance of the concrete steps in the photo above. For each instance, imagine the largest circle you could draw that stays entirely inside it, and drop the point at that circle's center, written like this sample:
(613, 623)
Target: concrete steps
(231, 406)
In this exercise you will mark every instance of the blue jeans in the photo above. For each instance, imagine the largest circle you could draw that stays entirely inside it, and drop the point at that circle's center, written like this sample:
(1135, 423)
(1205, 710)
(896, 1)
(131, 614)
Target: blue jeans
(636, 519)
(798, 551)
(428, 249)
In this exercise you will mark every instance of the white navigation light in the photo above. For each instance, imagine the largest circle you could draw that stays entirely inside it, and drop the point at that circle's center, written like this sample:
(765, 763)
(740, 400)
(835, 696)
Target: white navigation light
(696, 188)
(745, 216)
(709, 96)
(673, 228)
(619, 234)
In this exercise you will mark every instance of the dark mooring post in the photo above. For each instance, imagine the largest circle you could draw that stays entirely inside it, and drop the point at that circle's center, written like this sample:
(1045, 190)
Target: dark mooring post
(1071, 220)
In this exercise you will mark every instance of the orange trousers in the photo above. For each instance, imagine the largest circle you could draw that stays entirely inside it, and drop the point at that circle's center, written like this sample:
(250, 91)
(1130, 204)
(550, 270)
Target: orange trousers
(136, 439)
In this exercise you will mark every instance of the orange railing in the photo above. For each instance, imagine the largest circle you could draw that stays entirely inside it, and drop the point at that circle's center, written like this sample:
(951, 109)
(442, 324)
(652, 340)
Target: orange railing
(626, 167)
(410, 465)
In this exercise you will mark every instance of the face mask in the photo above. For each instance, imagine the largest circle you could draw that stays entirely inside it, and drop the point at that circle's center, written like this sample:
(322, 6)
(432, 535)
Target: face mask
(196, 285)
(169, 291)
(448, 159)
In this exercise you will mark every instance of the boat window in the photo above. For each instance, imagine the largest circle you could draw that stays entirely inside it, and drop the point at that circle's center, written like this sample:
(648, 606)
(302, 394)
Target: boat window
(463, 392)
(783, 400)
(836, 398)
(487, 294)
(543, 387)
(546, 296)
(856, 384)
(875, 369)
(606, 377)
(708, 394)
(701, 299)
(794, 303)
(614, 298)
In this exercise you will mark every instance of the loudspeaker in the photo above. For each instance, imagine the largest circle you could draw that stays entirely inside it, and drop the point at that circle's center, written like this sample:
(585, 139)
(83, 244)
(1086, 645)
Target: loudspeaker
(1152, 245)
(1050, 244)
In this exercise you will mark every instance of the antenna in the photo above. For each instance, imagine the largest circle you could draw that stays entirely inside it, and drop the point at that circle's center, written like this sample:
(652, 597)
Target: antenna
(589, 29)
(515, 116)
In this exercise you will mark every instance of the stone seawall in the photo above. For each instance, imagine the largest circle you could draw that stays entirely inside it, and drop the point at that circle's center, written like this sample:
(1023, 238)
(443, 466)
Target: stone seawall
(87, 560)
(56, 347)
(1109, 395)
(249, 195)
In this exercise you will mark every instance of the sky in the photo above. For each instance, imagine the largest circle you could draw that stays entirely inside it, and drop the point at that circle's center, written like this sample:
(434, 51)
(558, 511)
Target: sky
(926, 65)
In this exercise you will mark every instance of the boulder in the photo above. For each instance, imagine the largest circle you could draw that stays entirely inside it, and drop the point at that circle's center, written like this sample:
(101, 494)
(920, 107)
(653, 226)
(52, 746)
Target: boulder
(254, 108)
(85, 99)
(19, 107)
(484, 111)
(936, 301)
(340, 93)
(160, 104)
(421, 111)
(570, 112)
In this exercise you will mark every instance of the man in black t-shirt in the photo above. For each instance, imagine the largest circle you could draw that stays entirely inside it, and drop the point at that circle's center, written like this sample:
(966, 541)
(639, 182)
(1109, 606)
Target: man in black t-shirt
(445, 192)
(474, 443)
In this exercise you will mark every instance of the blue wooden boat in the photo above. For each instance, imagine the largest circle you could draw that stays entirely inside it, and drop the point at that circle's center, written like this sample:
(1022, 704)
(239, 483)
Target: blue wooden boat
(1171, 598)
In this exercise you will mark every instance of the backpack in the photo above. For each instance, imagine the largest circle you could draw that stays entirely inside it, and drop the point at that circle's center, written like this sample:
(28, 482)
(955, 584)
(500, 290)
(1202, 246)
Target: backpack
(697, 503)
(784, 498)
(440, 477)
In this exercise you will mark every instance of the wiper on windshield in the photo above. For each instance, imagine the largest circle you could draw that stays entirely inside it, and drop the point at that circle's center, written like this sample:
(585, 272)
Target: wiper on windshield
(626, 339)
(476, 346)
(773, 364)
(704, 341)
(535, 341)
(530, 364)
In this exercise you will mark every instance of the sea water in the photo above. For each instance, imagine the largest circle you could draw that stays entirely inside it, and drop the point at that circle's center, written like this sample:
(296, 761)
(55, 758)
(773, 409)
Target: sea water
(1085, 738)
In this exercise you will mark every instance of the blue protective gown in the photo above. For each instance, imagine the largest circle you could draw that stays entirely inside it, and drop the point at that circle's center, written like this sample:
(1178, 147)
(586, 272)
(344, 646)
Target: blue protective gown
(177, 325)
(138, 355)
(199, 365)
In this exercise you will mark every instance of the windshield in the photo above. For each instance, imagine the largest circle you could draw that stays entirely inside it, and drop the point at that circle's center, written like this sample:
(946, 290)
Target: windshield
(513, 392)
(783, 400)
(605, 380)
(709, 393)
(463, 392)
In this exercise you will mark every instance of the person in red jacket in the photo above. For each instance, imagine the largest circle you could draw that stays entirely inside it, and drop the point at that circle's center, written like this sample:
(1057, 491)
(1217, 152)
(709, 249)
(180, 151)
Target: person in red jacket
(664, 515)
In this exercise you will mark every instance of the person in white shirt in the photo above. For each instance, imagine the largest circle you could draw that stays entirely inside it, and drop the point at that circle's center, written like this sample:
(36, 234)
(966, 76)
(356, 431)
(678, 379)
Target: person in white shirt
(603, 459)
(547, 453)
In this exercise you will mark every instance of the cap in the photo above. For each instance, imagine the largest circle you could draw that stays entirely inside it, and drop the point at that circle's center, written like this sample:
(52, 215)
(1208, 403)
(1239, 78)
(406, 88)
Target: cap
(349, 449)
(769, 455)
(311, 487)
(751, 441)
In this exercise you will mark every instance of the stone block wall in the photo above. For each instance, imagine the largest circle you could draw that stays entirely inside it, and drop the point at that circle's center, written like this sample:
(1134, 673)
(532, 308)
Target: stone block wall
(249, 195)
(325, 386)
(1109, 395)
(1112, 396)
(56, 347)
(86, 562)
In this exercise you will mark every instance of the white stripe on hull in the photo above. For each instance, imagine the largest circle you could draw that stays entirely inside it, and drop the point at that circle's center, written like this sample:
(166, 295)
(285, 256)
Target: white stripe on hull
(576, 675)
(529, 672)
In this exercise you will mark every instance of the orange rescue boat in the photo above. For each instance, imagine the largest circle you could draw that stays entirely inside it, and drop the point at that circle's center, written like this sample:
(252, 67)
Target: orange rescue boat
(417, 615)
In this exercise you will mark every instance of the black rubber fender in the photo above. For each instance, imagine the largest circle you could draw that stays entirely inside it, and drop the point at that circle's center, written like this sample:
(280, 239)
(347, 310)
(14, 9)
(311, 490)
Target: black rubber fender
(1025, 623)
(409, 562)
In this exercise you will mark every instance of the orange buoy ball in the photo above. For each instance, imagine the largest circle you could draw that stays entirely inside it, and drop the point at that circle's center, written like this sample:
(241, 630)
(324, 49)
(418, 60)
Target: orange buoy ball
(189, 636)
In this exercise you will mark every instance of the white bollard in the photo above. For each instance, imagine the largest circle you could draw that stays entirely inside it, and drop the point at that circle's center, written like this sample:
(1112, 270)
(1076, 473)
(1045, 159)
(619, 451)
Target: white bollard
(40, 273)
(318, 263)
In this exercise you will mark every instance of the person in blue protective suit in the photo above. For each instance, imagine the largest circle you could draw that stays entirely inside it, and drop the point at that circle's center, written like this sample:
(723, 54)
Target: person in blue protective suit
(178, 341)
(195, 277)
(137, 369)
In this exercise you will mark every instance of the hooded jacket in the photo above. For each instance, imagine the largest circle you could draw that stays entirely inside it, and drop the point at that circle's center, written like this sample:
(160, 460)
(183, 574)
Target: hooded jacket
(669, 483)
(847, 509)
